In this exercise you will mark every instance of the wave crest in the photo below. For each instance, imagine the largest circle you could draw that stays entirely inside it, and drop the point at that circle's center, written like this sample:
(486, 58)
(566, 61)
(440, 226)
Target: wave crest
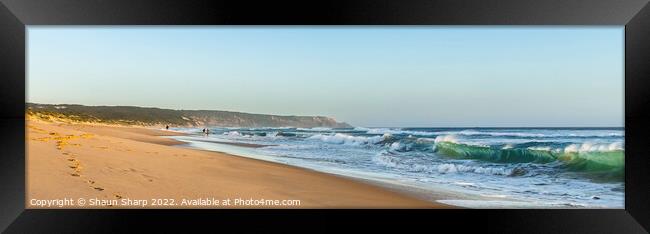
(340, 138)
(593, 158)
(393, 131)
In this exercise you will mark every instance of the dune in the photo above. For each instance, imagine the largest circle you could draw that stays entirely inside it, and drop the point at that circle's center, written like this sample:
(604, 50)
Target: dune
(136, 167)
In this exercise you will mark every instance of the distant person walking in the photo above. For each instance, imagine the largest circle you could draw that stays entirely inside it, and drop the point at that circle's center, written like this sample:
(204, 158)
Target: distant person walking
(167, 127)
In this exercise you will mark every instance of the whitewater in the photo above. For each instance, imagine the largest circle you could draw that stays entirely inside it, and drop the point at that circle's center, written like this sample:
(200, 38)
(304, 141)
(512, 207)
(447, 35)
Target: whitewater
(487, 167)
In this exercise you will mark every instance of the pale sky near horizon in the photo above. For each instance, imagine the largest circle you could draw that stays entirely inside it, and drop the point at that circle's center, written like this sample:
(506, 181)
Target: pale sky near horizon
(463, 76)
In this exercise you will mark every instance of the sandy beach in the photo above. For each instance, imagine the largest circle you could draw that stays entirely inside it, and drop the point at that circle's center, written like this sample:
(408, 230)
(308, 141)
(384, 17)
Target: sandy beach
(124, 167)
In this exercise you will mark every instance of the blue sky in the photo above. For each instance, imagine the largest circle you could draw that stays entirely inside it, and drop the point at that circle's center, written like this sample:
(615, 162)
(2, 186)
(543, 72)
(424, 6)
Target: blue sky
(366, 76)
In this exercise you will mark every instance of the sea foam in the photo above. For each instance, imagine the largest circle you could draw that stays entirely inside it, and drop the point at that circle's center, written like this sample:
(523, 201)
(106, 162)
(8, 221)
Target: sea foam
(392, 160)
(340, 138)
(593, 147)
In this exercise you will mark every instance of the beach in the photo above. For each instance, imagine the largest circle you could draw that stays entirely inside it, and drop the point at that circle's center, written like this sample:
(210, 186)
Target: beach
(137, 167)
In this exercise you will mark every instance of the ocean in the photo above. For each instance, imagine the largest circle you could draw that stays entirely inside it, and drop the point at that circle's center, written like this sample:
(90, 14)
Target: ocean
(485, 167)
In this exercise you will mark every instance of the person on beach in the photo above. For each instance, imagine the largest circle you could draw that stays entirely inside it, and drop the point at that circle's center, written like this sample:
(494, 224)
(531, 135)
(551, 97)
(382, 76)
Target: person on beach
(203, 131)
(167, 127)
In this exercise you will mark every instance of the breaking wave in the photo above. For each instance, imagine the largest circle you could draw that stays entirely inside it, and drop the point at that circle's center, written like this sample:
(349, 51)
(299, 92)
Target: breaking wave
(586, 157)
(340, 138)
(393, 131)
(388, 159)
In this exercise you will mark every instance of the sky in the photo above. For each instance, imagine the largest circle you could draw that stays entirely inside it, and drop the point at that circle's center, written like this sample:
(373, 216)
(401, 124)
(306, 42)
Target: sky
(425, 76)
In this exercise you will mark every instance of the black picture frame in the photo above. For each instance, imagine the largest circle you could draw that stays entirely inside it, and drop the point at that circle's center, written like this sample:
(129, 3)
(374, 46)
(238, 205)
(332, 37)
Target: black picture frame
(15, 15)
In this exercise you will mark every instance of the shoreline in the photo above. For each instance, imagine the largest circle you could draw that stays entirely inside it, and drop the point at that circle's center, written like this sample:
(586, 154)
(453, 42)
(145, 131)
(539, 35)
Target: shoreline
(429, 195)
(247, 145)
(120, 162)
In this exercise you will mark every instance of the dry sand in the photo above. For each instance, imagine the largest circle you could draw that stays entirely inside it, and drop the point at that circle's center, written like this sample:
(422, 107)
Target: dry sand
(120, 166)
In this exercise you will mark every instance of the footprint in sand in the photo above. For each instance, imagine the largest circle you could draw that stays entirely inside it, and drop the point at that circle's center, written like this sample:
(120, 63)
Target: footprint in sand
(148, 177)
(77, 168)
(75, 165)
(92, 182)
(98, 188)
(117, 196)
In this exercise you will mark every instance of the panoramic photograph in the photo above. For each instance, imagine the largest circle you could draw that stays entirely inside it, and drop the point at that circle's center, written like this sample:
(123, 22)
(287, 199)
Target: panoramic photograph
(449, 117)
